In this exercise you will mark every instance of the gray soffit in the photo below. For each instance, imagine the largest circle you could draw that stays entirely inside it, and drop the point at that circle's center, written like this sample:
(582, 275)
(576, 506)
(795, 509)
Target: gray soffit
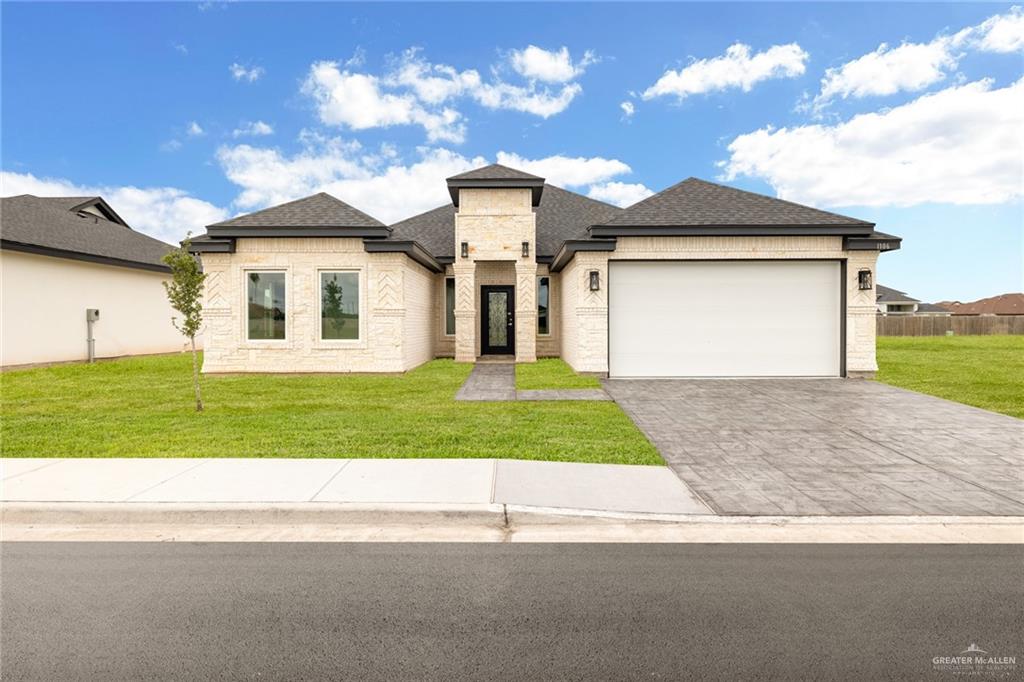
(496, 176)
(59, 227)
(204, 244)
(409, 248)
(571, 247)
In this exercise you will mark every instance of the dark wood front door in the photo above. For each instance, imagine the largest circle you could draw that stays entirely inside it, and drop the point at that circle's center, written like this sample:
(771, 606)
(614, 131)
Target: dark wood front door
(497, 321)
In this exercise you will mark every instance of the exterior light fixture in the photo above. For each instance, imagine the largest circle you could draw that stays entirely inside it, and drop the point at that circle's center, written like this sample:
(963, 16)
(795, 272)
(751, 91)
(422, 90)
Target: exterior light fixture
(595, 280)
(465, 249)
(526, 249)
(864, 280)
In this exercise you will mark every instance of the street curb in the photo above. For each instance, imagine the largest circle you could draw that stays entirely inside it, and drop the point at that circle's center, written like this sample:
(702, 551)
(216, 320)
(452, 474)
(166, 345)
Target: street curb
(356, 513)
(247, 513)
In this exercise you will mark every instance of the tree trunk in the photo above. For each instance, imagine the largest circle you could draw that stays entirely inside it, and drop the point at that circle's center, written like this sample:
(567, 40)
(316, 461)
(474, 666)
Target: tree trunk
(195, 375)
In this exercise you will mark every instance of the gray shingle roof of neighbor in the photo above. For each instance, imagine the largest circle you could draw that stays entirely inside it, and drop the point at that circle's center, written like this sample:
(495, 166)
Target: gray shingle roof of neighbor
(699, 203)
(319, 210)
(932, 308)
(887, 295)
(495, 172)
(561, 215)
(54, 226)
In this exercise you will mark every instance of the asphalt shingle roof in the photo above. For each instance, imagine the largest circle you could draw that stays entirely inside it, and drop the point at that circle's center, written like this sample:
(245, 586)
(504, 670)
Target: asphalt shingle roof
(695, 202)
(49, 223)
(887, 295)
(561, 215)
(495, 172)
(319, 210)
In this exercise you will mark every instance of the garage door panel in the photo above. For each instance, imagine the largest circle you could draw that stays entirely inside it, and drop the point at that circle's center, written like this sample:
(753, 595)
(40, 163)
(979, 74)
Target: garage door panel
(724, 318)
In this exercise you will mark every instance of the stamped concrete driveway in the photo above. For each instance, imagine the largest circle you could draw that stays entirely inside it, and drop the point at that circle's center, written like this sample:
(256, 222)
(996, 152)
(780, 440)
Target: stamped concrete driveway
(829, 446)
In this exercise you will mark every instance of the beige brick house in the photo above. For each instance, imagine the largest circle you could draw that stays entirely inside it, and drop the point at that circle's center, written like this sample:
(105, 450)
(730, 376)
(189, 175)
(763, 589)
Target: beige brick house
(698, 280)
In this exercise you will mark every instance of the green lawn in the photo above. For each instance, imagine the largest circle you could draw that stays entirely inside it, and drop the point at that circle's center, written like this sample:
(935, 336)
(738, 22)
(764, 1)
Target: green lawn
(984, 371)
(141, 407)
(551, 373)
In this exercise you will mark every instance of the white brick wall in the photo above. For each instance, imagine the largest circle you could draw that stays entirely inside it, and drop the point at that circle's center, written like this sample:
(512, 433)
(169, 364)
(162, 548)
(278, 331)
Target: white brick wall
(392, 288)
(585, 313)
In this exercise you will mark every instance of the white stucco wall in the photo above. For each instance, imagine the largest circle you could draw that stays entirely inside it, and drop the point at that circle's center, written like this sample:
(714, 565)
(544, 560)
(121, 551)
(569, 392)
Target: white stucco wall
(584, 321)
(43, 310)
(396, 331)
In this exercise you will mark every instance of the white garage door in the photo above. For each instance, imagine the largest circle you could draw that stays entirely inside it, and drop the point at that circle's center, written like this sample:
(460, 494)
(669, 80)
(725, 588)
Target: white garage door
(724, 318)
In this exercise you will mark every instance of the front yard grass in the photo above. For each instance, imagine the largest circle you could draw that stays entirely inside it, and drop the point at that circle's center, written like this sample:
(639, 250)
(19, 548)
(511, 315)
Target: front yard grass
(984, 371)
(142, 407)
(551, 373)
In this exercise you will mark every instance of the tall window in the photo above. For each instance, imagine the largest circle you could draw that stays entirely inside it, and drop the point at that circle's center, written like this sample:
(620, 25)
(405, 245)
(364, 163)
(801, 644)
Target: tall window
(266, 314)
(543, 307)
(339, 306)
(449, 305)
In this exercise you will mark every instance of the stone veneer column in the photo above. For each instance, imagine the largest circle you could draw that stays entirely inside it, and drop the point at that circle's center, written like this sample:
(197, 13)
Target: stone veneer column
(465, 311)
(526, 311)
(861, 316)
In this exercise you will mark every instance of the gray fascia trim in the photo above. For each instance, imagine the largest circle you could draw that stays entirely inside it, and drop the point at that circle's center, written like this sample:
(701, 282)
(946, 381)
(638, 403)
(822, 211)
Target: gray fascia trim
(731, 230)
(872, 243)
(445, 260)
(298, 231)
(536, 187)
(410, 248)
(217, 246)
(570, 247)
(76, 255)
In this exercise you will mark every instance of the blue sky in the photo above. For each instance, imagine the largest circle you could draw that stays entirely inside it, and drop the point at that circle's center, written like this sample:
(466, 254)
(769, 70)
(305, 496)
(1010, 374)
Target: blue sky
(181, 114)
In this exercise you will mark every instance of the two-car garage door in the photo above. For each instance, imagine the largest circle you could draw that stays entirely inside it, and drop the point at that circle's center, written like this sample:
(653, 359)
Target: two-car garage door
(724, 318)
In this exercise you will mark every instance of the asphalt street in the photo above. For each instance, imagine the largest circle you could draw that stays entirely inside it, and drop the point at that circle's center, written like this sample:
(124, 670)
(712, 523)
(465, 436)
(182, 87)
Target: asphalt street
(134, 611)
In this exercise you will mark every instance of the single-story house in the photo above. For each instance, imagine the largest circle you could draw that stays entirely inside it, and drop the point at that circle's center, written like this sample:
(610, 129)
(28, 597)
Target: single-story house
(892, 301)
(1004, 304)
(62, 256)
(700, 279)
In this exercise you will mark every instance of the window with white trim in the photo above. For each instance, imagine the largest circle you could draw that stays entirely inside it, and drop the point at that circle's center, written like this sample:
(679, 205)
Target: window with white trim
(266, 312)
(339, 305)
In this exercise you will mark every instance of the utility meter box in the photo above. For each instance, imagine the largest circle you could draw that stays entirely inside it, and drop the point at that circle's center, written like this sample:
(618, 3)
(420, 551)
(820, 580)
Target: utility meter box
(92, 314)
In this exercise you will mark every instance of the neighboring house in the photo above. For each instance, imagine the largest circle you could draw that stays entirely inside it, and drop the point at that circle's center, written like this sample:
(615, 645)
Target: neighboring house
(698, 280)
(60, 256)
(1004, 304)
(890, 301)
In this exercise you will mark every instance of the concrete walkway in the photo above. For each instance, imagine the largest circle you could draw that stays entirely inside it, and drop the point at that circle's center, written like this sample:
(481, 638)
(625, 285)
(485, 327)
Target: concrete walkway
(496, 381)
(558, 485)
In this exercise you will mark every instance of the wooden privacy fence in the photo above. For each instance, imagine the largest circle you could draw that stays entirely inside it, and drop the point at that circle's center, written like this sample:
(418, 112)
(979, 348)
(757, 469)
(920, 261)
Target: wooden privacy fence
(941, 325)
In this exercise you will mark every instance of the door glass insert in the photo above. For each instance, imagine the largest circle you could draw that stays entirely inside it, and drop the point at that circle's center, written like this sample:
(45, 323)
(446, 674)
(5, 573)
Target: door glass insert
(497, 324)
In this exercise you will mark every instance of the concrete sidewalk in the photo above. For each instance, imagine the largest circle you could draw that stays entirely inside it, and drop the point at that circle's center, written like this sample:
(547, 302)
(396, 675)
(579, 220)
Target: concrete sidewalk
(557, 485)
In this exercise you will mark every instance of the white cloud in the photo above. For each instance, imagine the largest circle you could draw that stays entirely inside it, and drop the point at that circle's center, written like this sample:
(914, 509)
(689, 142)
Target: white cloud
(960, 145)
(628, 109)
(166, 213)
(253, 128)
(557, 66)
(620, 193)
(358, 101)
(567, 171)
(384, 185)
(912, 67)
(183, 49)
(1001, 33)
(737, 68)
(194, 130)
(170, 146)
(243, 73)
(415, 91)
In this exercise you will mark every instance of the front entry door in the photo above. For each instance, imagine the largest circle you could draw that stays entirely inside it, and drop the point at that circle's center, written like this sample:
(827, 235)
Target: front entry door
(498, 321)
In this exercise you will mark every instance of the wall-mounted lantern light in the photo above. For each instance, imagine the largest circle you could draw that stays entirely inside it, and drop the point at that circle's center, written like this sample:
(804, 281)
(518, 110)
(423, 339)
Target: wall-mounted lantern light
(465, 249)
(595, 280)
(526, 249)
(864, 280)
